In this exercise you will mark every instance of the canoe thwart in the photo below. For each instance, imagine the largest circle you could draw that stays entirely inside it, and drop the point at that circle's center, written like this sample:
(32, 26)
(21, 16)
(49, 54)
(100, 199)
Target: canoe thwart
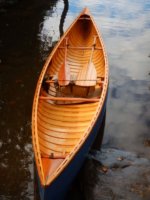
(72, 81)
(81, 48)
(69, 99)
(84, 18)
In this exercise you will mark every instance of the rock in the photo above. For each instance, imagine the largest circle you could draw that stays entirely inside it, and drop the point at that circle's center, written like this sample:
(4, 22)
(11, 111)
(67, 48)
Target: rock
(104, 169)
(147, 142)
(116, 174)
(120, 158)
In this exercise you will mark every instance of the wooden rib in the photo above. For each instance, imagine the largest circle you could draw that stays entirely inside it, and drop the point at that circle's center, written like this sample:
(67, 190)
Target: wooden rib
(58, 148)
(66, 116)
(77, 108)
(69, 110)
(59, 141)
(62, 124)
(60, 134)
(59, 128)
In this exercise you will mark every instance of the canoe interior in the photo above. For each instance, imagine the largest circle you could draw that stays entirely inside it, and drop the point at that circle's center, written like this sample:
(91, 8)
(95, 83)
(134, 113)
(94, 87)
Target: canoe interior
(62, 124)
(81, 35)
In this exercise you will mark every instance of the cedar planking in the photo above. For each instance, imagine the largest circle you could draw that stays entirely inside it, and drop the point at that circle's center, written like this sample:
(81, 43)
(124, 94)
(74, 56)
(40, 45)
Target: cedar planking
(65, 112)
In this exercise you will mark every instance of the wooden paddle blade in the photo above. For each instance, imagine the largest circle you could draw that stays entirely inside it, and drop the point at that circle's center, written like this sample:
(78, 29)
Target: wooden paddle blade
(87, 76)
(64, 75)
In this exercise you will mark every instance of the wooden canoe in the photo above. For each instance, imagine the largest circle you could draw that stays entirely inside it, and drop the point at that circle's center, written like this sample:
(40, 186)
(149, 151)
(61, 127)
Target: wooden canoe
(68, 105)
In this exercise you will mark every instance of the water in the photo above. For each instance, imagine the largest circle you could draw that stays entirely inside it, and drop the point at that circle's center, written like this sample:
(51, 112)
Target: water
(28, 30)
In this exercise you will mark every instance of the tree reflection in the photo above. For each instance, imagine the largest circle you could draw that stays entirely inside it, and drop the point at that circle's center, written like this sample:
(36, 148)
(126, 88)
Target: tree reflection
(63, 16)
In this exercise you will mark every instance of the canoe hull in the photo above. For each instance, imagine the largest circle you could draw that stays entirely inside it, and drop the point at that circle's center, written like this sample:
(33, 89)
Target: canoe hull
(66, 119)
(59, 187)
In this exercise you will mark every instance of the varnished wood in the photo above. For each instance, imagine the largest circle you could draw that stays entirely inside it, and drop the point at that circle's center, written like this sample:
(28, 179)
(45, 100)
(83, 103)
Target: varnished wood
(64, 112)
(84, 18)
(64, 72)
(81, 48)
(54, 156)
(69, 99)
(53, 81)
(88, 73)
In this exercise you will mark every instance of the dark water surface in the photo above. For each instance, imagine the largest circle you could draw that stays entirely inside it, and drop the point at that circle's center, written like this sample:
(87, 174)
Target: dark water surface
(28, 30)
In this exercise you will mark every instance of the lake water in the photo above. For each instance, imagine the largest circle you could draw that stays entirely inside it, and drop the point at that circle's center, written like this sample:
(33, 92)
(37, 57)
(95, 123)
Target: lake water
(28, 30)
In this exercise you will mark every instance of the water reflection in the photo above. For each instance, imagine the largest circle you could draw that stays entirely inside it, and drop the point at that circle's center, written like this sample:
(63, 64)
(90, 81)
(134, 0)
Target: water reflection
(16, 164)
(28, 31)
(52, 27)
(19, 70)
(129, 101)
(48, 33)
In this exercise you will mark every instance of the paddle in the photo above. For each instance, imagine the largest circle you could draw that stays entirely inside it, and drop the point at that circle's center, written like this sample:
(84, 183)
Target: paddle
(87, 75)
(64, 72)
